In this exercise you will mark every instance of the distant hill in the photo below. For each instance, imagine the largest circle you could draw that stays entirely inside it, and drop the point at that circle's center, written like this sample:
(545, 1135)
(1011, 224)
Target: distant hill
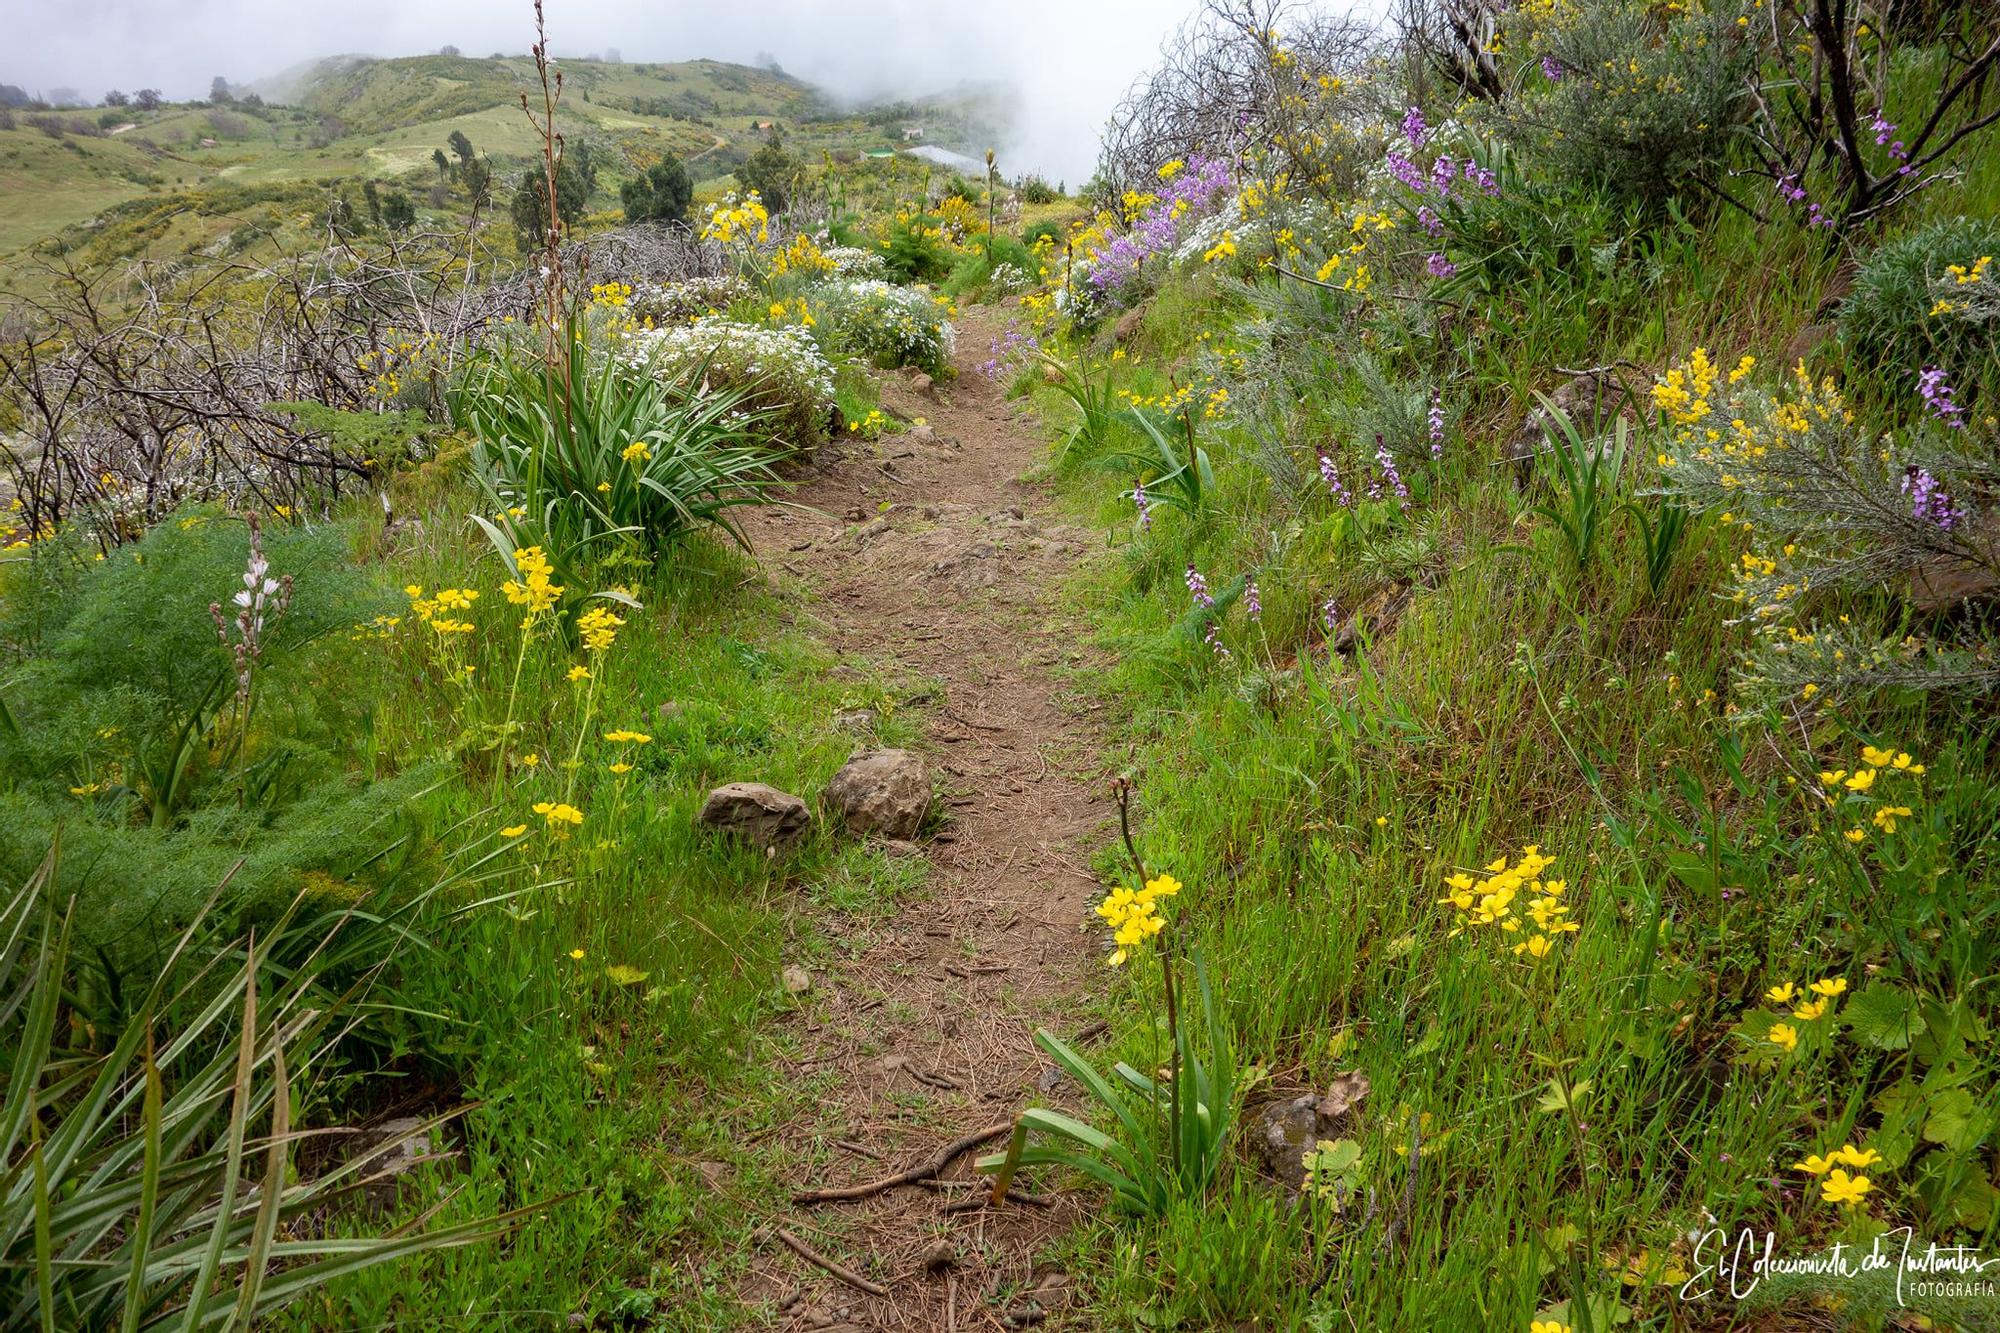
(124, 183)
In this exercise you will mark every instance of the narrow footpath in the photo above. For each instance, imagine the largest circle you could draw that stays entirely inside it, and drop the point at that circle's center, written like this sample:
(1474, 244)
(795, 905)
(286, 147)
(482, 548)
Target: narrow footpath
(925, 555)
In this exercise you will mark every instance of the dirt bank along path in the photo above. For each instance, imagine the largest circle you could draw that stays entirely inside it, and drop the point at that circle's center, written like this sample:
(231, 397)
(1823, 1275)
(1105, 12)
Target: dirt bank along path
(927, 556)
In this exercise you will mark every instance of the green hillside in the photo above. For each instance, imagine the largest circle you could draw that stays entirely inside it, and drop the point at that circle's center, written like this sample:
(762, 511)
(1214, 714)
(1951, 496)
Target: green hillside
(126, 184)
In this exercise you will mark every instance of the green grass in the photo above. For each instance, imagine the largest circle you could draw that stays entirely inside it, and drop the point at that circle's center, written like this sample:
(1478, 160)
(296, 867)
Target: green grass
(1316, 805)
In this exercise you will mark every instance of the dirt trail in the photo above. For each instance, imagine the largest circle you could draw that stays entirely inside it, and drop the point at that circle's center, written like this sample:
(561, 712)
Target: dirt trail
(929, 557)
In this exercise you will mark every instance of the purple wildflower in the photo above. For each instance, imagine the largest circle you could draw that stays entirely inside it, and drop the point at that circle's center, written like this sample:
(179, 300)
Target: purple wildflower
(1792, 192)
(1552, 69)
(1414, 128)
(1937, 396)
(1480, 176)
(1408, 172)
(1144, 507)
(1436, 416)
(1329, 616)
(1439, 266)
(1929, 502)
(1332, 475)
(1885, 137)
(1198, 589)
(1214, 640)
(1253, 606)
(1191, 195)
(1430, 221)
(1441, 174)
(1389, 473)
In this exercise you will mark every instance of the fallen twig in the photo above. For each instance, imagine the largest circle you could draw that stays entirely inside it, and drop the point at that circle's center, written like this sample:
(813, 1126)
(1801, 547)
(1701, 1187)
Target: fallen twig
(818, 1260)
(924, 1170)
(984, 1199)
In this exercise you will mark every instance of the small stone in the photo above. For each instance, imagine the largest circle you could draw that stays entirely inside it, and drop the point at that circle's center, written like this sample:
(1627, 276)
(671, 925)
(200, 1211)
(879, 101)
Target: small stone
(891, 1063)
(857, 720)
(921, 383)
(940, 1256)
(882, 792)
(1287, 1130)
(797, 980)
(769, 818)
(921, 434)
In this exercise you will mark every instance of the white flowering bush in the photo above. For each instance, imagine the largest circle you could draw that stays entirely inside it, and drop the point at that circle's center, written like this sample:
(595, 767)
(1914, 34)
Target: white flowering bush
(854, 261)
(886, 324)
(663, 304)
(778, 371)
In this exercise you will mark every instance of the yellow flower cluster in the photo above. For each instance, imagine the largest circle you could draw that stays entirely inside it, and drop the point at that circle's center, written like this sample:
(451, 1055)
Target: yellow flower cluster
(1838, 1186)
(438, 611)
(1134, 915)
(598, 627)
(1838, 784)
(636, 452)
(732, 219)
(1808, 1006)
(611, 295)
(802, 256)
(559, 816)
(781, 312)
(533, 590)
(1496, 900)
(870, 426)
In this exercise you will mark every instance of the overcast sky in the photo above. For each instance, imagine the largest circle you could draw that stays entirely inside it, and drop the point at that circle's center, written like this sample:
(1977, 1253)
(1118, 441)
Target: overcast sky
(1069, 60)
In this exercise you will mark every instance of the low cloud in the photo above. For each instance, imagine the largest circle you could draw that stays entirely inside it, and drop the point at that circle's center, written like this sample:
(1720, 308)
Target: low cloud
(1066, 63)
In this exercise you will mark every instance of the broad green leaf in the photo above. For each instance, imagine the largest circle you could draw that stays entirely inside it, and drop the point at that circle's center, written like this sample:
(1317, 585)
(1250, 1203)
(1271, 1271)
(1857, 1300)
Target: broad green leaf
(1883, 1016)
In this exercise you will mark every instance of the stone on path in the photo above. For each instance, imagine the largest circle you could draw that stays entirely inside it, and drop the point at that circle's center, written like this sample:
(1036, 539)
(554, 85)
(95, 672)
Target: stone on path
(883, 792)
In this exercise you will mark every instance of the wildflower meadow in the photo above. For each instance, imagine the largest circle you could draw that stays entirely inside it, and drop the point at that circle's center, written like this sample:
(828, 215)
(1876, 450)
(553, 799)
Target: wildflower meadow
(1381, 716)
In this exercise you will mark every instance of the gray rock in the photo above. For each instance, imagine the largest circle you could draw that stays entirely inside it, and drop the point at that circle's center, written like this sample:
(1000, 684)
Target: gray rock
(860, 721)
(766, 816)
(797, 980)
(1287, 1130)
(388, 1152)
(921, 383)
(883, 792)
(1591, 401)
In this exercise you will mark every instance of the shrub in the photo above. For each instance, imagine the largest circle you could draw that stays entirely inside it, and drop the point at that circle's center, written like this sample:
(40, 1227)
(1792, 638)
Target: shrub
(1633, 97)
(663, 305)
(148, 1188)
(126, 694)
(651, 451)
(1037, 191)
(888, 325)
(915, 250)
(1824, 502)
(1050, 230)
(1890, 321)
(779, 373)
(852, 261)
